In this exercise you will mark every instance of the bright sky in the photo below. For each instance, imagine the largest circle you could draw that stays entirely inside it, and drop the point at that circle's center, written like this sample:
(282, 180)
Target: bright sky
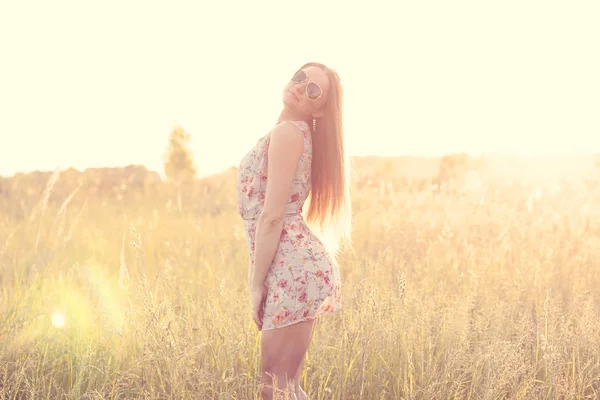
(89, 84)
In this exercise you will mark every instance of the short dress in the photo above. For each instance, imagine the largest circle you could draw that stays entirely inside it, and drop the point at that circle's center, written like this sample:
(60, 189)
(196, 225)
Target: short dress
(303, 281)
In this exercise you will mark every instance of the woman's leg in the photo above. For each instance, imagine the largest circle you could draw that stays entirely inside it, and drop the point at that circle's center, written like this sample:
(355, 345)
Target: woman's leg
(282, 351)
(299, 392)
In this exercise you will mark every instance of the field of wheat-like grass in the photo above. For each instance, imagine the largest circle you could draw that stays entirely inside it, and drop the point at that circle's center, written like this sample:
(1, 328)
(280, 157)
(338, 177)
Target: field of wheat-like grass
(491, 291)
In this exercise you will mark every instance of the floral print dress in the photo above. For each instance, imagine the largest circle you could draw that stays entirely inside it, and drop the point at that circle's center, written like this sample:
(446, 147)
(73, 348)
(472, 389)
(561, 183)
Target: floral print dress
(303, 282)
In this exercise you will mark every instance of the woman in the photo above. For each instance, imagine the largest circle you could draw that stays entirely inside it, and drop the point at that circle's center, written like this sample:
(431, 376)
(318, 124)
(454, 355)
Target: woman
(293, 278)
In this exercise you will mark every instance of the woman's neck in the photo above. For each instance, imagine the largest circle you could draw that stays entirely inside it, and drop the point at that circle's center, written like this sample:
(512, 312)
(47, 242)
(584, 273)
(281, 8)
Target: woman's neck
(287, 115)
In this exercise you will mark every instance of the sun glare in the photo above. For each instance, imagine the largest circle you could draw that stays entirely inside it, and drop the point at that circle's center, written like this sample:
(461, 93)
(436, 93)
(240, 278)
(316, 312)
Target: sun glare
(58, 319)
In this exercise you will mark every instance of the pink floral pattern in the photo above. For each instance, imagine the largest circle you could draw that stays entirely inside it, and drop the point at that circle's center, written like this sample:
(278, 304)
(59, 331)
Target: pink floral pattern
(303, 281)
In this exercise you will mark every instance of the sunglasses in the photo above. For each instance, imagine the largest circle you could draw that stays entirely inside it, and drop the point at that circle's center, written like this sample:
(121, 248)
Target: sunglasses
(313, 91)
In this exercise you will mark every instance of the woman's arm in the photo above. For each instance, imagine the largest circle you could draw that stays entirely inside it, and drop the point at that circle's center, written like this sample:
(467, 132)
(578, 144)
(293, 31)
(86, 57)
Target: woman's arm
(285, 148)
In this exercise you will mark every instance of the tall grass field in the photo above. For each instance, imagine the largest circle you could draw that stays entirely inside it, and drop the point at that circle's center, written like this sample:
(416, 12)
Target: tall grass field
(485, 285)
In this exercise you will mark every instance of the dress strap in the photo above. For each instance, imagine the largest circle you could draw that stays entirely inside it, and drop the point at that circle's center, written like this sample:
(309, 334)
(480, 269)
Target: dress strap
(302, 125)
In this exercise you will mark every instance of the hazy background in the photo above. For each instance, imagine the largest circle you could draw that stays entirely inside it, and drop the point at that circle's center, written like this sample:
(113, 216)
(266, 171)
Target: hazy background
(87, 84)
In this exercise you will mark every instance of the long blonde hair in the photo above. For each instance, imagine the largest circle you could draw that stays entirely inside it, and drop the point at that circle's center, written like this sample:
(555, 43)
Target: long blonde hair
(330, 210)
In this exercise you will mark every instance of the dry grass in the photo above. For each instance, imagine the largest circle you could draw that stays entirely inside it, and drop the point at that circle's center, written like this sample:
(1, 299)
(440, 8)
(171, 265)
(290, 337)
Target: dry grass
(488, 293)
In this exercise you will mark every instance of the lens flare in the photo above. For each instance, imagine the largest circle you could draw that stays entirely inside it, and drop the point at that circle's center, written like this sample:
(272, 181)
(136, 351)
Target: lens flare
(58, 319)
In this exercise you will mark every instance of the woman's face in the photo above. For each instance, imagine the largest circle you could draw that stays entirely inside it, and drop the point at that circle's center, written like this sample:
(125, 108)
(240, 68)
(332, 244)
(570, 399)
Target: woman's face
(306, 98)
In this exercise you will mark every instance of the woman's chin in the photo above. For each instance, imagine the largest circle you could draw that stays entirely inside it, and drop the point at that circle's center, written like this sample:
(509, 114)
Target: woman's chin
(289, 102)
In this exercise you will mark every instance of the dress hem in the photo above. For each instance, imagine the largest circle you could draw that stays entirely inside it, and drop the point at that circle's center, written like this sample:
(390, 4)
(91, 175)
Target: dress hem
(321, 314)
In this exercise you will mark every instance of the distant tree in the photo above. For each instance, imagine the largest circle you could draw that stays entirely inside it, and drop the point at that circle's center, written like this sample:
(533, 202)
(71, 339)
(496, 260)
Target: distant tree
(179, 162)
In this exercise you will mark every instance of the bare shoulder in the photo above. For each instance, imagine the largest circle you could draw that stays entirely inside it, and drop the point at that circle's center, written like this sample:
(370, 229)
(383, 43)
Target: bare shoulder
(287, 137)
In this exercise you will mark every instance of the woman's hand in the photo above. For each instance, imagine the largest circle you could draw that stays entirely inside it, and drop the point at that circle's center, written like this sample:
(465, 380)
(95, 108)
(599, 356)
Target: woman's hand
(258, 293)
